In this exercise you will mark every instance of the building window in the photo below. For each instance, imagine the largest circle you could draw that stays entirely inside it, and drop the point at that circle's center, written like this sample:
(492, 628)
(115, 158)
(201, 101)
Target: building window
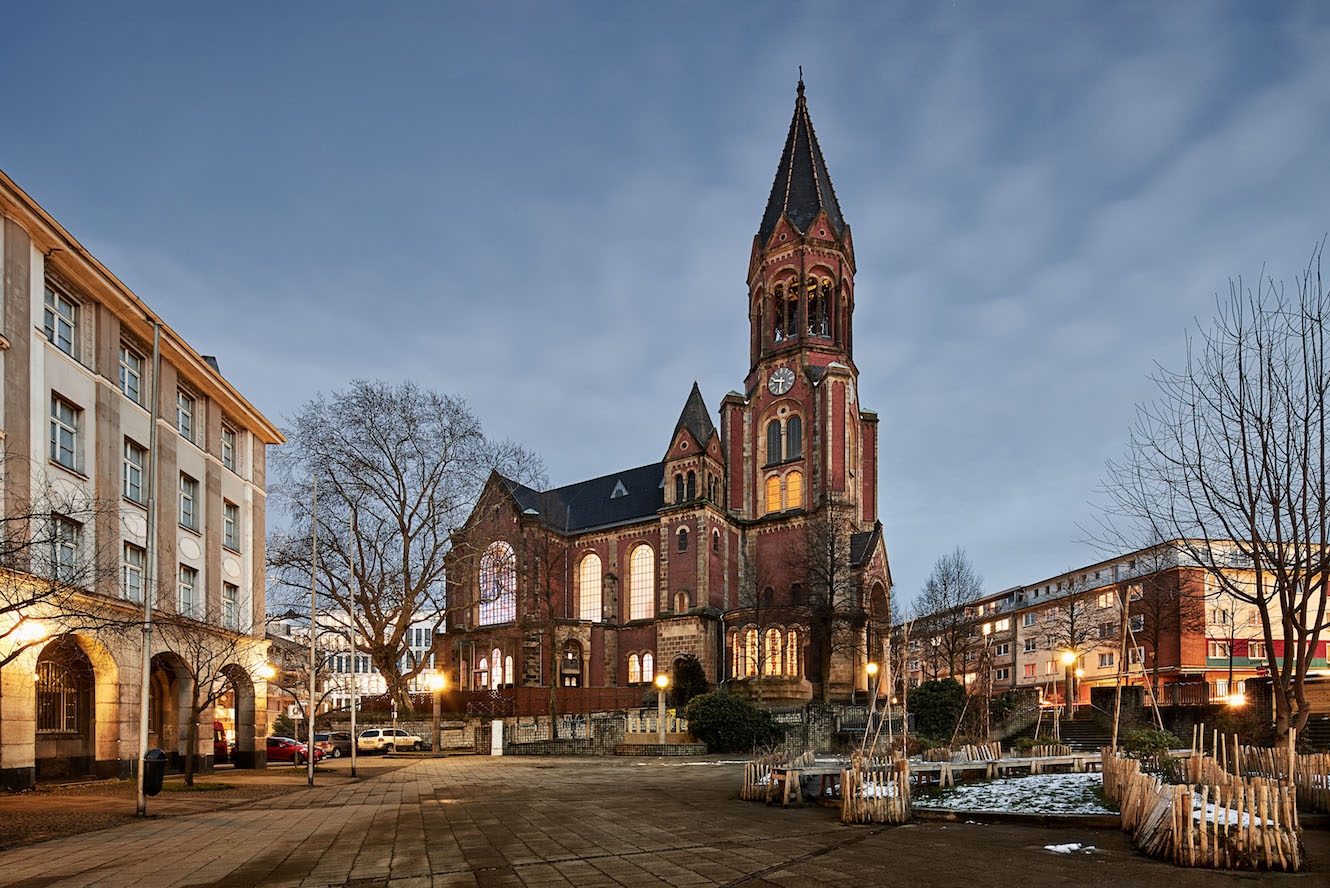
(773, 494)
(131, 374)
(634, 669)
(231, 526)
(641, 582)
(683, 539)
(482, 677)
(692, 486)
(1002, 650)
(715, 541)
(132, 475)
(1003, 625)
(773, 442)
(131, 572)
(184, 415)
(648, 668)
(1135, 656)
(750, 652)
(1028, 619)
(1031, 645)
(1106, 660)
(229, 448)
(189, 499)
(1003, 674)
(794, 438)
(64, 548)
(680, 602)
(678, 488)
(189, 582)
(498, 586)
(1029, 670)
(1256, 650)
(1218, 650)
(1105, 599)
(59, 319)
(230, 606)
(1107, 631)
(64, 432)
(589, 585)
(1221, 616)
(64, 688)
(1137, 623)
(792, 654)
(794, 490)
(771, 663)
(496, 664)
(509, 677)
(1050, 667)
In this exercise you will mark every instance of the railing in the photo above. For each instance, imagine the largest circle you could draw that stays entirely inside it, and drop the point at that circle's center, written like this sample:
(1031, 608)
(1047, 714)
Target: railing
(1196, 693)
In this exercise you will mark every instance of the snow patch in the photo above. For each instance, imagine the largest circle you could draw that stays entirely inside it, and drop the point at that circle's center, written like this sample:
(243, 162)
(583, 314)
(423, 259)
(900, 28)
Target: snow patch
(1070, 848)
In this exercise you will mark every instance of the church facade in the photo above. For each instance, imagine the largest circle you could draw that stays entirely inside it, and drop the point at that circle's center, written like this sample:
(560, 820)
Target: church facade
(753, 544)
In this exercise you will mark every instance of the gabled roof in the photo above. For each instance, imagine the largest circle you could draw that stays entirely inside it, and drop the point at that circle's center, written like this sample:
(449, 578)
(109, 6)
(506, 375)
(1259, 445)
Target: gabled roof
(802, 187)
(619, 498)
(861, 547)
(695, 418)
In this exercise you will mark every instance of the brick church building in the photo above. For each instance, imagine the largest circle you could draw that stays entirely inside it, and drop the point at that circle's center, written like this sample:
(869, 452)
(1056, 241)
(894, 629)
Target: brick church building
(753, 544)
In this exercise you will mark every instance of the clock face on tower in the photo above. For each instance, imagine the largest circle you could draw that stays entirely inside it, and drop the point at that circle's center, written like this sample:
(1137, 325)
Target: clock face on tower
(780, 381)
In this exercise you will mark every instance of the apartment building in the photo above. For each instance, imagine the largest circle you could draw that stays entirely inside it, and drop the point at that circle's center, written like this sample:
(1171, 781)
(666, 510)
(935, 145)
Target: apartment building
(78, 378)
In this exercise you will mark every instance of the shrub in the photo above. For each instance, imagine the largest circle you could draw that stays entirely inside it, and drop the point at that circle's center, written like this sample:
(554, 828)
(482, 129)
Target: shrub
(282, 726)
(690, 680)
(726, 723)
(1148, 743)
(937, 707)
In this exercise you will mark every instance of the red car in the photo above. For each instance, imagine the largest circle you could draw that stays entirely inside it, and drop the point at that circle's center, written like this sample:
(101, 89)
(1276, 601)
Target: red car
(284, 749)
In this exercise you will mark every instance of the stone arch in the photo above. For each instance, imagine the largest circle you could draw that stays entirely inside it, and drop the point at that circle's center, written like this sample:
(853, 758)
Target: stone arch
(239, 699)
(77, 708)
(170, 686)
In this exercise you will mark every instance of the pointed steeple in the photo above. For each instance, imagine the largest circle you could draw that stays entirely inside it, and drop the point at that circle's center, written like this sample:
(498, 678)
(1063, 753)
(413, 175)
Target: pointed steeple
(802, 186)
(695, 418)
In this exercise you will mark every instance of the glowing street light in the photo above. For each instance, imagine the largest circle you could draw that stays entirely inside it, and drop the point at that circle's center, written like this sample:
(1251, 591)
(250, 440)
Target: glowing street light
(662, 682)
(437, 682)
(27, 632)
(267, 672)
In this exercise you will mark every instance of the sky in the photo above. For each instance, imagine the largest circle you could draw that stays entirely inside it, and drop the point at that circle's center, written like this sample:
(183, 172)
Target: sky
(548, 209)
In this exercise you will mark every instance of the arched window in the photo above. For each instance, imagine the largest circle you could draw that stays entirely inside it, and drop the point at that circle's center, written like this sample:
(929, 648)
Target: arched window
(778, 320)
(794, 438)
(678, 488)
(496, 664)
(773, 442)
(772, 663)
(750, 652)
(736, 655)
(64, 688)
(589, 584)
(641, 582)
(822, 320)
(692, 486)
(773, 494)
(509, 679)
(680, 602)
(792, 654)
(648, 667)
(715, 540)
(498, 584)
(794, 490)
(683, 539)
(634, 669)
(792, 311)
(570, 665)
(482, 673)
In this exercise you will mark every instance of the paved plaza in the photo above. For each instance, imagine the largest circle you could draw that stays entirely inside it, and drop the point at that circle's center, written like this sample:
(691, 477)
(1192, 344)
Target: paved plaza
(585, 822)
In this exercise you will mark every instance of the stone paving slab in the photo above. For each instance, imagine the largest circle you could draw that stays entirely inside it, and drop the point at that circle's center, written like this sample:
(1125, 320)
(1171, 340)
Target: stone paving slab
(587, 822)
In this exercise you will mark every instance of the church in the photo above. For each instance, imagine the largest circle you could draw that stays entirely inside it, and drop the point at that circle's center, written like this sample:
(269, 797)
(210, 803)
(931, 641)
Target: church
(753, 544)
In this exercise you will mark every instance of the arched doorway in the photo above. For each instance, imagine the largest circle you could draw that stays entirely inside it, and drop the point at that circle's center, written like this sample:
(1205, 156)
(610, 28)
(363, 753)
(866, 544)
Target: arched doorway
(235, 709)
(66, 713)
(168, 707)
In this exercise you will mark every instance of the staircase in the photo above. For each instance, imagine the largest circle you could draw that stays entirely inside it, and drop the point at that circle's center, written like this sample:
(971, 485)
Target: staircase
(1317, 733)
(1084, 733)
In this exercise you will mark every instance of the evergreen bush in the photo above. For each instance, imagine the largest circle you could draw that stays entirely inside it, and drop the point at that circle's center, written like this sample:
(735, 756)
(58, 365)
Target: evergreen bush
(726, 723)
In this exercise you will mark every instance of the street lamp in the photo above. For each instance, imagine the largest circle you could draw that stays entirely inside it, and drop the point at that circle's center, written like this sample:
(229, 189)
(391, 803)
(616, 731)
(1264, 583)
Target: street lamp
(662, 682)
(437, 682)
(1068, 658)
(267, 672)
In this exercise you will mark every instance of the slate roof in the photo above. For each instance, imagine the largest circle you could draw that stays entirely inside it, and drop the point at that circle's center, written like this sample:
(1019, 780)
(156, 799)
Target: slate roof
(695, 418)
(861, 547)
(587, 505)
(802, 186)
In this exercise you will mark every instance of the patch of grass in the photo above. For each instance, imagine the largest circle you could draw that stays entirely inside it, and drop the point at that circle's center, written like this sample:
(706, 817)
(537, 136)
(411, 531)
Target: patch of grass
(197, 787)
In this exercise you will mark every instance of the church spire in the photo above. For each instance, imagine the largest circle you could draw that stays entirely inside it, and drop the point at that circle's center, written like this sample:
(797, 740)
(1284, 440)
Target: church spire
(802, 186)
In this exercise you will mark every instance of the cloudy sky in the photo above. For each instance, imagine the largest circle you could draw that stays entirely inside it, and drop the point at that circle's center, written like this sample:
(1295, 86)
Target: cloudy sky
(548, 209)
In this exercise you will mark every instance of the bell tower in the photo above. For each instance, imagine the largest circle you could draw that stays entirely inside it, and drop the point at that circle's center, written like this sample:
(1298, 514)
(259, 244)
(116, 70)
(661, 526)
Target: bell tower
(797, 429)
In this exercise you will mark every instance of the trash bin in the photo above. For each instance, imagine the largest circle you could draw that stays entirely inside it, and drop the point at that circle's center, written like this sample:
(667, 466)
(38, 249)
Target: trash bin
(154, 771)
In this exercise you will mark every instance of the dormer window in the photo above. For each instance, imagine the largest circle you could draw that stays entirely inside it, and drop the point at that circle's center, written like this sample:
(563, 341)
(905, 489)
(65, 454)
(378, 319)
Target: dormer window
(619, 490)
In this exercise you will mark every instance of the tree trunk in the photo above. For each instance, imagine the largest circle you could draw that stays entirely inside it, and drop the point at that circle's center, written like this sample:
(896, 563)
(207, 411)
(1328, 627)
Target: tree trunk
(554, 685)
(192, 743)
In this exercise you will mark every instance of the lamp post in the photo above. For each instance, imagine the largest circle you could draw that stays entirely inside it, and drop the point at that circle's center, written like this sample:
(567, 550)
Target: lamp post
(1068, 658)
(437, 682)
(662, 682)
(871, 671)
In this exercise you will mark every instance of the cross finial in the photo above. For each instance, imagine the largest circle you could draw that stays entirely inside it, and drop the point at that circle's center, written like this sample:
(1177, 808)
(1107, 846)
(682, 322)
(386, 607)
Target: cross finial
(801, 80)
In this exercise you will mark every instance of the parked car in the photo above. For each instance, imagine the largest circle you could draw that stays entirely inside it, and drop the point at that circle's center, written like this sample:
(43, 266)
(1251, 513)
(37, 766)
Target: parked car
(284, 749)
(334, 743)
(221, 749)
(387, 740)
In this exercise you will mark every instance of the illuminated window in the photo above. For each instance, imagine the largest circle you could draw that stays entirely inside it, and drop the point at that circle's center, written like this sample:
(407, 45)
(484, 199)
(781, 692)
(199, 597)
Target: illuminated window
(589, 585)
(1002, 625)
(778, 312)
(1029, 670)
(498, 586)
(1105, 599)
(750, 652)
(773, 442)
(792, 654)
(482, 673)
(772, 662)
(634, 669)
(508, 678)
(794, 490)
(648, 667)
(496, 664)
(773, 494)
(641, 582)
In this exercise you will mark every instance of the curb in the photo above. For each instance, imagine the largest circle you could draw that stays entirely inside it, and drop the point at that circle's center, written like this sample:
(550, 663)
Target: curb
(1085, 821)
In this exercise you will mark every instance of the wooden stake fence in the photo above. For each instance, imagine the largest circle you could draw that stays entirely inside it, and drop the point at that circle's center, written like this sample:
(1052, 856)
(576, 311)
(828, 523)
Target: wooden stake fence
(876, 794)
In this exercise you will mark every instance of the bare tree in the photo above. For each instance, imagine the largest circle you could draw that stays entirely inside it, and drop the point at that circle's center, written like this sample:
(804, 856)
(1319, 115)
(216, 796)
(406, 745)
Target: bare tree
(1162, 606)
(50, 570)
(758, 596)
(945, 625)
(209, 654)
(1229, 462)
(398, 469)
(829, 592)
(1084, 620)
(543, 576)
